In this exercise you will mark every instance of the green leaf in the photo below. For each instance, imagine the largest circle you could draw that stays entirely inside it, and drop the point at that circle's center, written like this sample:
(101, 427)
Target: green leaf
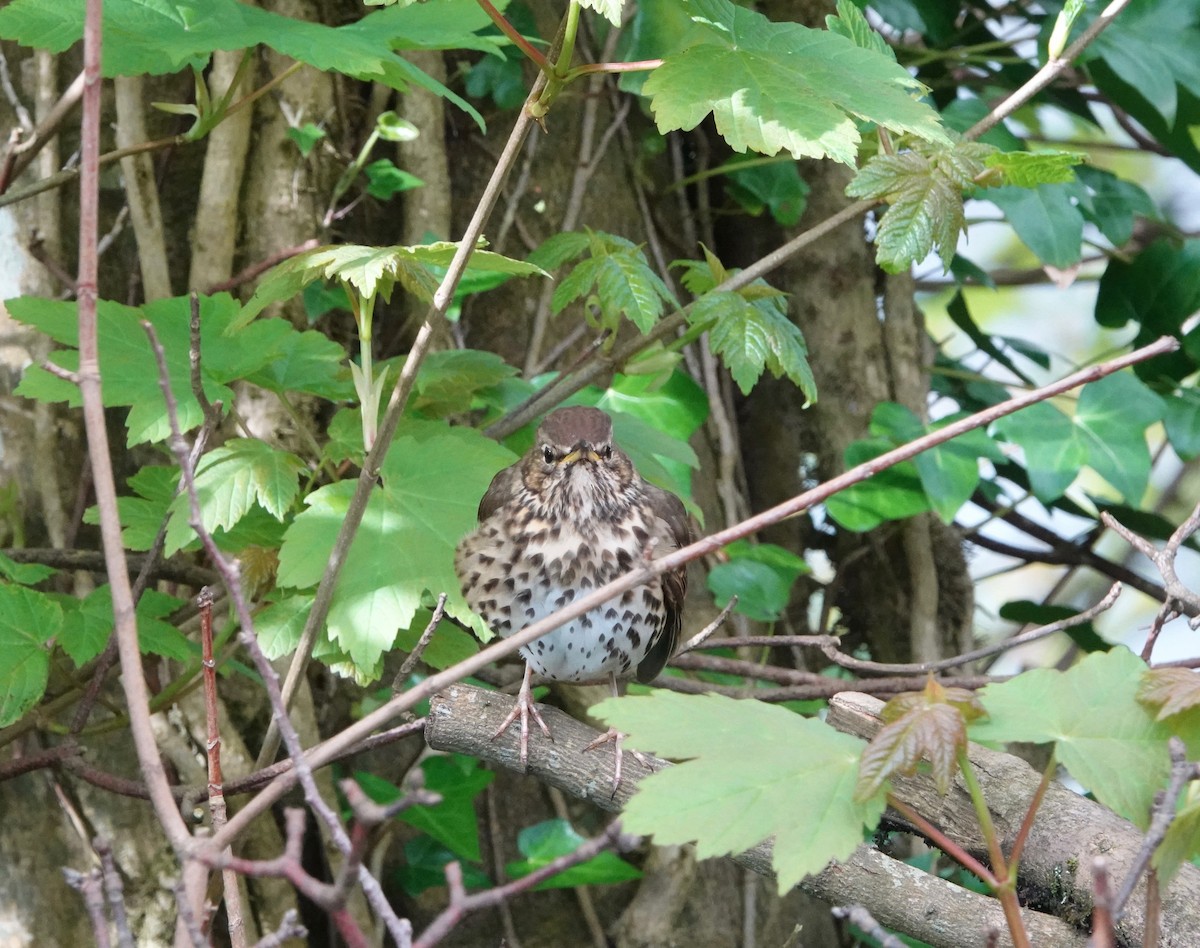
(501, 78)
(1114, 747)
(775, 186)
(753, 335)
(609, 9)
(892, 494)
(743, 761)
(308, 362)
(1182, 418)
(1182, 842)
(158, 38)
(88, 623)
(1036, 613)
(773, 86)
(851, 24)
(28, 620)
(924, 190)
(1024, 169)
(372, 271)
(449, 381)
(1053, 451)
(424, 867)
(1159, 290)
(24, 574)
(1046, 219)
(760, 575)
(544, 842)
(458, 779)
(1113, 204)
(386, 180)
(127, 362)
(448, 646)
(432, 479)
(230, 480)
(623, 280)
(278, 626)
(306, 137)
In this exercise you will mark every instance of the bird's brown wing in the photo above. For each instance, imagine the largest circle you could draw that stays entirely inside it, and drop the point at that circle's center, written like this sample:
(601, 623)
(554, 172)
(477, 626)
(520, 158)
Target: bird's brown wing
(503, 488)
(673, 516)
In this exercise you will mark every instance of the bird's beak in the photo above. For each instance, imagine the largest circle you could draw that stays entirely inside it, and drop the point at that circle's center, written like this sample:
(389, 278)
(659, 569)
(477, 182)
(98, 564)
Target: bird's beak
(582, 452)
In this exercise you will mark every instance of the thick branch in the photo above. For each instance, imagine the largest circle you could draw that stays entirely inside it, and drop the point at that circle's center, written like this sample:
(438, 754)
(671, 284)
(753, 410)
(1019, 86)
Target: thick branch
(463, 719)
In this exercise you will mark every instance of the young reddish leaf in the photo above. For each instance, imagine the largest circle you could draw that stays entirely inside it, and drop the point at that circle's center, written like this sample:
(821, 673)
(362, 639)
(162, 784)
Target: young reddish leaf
(1171, 690)
(921, 725)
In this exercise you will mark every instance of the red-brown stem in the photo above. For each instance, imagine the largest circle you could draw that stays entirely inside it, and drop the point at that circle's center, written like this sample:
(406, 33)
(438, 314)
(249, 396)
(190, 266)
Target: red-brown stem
(514, 34)
(1103, 935)
(942, 841)
(216, 780)
(1018, 846)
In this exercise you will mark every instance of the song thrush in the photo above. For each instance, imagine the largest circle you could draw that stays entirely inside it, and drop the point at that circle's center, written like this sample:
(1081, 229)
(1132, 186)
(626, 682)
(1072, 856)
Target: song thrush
(569, 517)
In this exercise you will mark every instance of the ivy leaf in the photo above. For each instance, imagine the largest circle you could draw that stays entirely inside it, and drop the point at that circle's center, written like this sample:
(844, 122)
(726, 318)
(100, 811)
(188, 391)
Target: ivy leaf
(385, 180)
(373, 271)
(432, 479)
(773, 86)
(892, 494)
(761, 576)
(458, 779)
(1107, 433)
(230, 480)
(924, 190)
(925, 725)
(736, 786)
(1182, 420)
(755, 335)
(776, 186)
(1113, 204)
(1170, 690)
(28, 620)
(1046, 219)
(623, 279)
(544, 842)
(1113, 747)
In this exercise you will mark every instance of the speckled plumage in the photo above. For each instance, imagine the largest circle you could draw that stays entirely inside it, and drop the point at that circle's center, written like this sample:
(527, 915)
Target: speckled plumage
(571, 516)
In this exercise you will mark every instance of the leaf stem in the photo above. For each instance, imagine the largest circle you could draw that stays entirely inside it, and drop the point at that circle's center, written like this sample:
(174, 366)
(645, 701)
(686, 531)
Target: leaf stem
(513, 34)
(1018, 846)
(942, 841)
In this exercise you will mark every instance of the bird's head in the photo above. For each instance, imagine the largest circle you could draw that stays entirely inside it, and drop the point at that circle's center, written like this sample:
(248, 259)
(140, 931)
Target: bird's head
(574, 467)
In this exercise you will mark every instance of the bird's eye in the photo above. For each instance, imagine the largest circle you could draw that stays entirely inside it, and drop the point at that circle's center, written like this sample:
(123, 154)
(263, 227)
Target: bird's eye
(548, 454)
(606, 452)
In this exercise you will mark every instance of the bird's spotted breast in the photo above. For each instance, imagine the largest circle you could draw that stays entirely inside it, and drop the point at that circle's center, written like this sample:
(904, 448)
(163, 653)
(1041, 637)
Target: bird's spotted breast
(517, 570)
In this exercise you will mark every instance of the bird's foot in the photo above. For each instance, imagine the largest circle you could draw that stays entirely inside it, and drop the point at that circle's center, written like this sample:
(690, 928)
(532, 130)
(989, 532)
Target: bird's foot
(523, 709)
(615, 738)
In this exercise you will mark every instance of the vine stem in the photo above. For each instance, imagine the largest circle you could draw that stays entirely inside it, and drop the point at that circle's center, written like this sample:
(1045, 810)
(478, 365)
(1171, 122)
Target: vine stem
(647, 571)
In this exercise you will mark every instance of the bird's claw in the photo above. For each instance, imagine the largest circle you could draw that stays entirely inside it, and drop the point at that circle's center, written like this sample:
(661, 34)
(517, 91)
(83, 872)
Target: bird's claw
(523, 709)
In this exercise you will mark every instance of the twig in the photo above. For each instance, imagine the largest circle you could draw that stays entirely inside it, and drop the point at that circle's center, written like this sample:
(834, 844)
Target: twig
(1160, 821)
(861, 919)
(132, 678)
(216, 781)
(262, 266)
(114, 891)
(171, 570)
(462, 904)
(206, 406)
(410, 662)
(289, 928)
(88, 885)
(851, 663)
(1048, 73)
(704, 634)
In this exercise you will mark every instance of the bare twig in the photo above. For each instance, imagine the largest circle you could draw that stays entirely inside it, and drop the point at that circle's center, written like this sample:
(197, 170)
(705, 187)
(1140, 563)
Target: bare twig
(134, 682)
(410, 662)
(114, 891)
(89, 886)
(462, 904)
(704, 634)
(1160, 821)
(861, 919)
(1103, 935)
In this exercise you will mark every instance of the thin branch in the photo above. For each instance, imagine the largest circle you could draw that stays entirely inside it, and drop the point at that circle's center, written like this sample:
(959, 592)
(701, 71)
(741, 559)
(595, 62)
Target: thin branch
(704, 634)
(1103, 935)
(136, 693)
(861, 919)
(1160, 821)
(410, 662)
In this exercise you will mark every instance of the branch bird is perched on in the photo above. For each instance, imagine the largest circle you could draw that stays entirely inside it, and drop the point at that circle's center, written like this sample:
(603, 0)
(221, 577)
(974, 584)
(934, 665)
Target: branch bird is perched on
(569, 517)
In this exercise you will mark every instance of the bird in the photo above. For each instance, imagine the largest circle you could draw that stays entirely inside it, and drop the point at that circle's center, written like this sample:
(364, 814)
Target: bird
(570, 516)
